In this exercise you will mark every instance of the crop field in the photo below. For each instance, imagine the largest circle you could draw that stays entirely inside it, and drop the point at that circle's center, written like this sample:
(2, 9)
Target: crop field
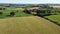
(28, 25)
(55, 18)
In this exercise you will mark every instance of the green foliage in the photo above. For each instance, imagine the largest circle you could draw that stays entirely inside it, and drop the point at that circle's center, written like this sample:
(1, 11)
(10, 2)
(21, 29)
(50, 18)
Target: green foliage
(1, 12)
(12, 13)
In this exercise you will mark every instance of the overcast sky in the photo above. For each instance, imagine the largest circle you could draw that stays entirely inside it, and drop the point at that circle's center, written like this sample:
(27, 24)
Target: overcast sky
(30, 1)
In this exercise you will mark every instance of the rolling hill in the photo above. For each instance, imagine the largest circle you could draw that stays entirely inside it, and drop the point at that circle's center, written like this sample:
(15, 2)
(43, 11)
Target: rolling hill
(28, 25)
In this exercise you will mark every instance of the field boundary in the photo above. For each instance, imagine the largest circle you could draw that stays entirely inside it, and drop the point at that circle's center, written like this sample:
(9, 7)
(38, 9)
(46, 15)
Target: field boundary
(51, 21)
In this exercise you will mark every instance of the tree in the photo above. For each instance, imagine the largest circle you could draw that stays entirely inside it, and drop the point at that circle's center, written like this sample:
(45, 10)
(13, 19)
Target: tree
(0, 8)
(12, 13)
(3, 8)
(27, 11)
(1, 12)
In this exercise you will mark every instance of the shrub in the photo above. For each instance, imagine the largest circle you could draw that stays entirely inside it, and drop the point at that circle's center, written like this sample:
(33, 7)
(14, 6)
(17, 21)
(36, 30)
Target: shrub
(27, 11)
(12, 13)
(3, 8)
(17, 11)
(1, 12)
(0, 8)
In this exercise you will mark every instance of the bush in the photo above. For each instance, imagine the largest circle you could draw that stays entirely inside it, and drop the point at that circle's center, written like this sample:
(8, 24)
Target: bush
(3, 8)
(0, 8)
(27, 11)
(1, 12)
(12, 13)
(17, 11)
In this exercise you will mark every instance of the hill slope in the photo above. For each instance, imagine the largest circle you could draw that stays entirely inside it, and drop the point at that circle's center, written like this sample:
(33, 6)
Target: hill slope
(28, 25)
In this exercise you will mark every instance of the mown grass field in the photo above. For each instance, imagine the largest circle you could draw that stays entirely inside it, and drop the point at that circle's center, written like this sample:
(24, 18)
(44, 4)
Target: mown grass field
(55, 18)
(28, 25)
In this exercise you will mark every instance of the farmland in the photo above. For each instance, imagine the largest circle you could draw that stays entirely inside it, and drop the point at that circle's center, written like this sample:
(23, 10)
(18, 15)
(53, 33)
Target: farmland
(55, 18)
(28, 25)
(16, 19)
(18, 12)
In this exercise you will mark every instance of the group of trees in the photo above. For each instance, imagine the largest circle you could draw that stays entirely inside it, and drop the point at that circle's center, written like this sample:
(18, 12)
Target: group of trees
(38, 12)
(27, 11)
(11, 13)
(43, 11)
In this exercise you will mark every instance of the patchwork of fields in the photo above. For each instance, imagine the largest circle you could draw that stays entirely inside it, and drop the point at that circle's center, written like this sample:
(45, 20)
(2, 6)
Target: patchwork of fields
(23, 23)
(28, 25)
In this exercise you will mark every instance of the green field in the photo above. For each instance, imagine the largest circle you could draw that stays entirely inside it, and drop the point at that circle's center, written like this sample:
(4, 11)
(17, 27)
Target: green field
(55, 18)
(18, 12)
(28, 25)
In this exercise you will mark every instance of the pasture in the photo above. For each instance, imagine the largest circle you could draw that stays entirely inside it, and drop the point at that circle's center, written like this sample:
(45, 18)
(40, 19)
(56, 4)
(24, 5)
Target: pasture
(18, 12)
(55, 18)
(28, 25)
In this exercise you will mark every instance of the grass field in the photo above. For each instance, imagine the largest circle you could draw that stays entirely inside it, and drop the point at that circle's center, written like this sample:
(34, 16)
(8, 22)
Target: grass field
(18, 12)
(28, 25)
(55, 18)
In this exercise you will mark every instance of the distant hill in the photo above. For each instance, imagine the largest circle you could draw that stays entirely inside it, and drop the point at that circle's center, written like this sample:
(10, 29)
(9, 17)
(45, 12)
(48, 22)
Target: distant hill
(6, 4)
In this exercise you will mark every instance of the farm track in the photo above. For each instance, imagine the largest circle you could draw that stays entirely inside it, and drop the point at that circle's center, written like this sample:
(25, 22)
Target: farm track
(28, 25)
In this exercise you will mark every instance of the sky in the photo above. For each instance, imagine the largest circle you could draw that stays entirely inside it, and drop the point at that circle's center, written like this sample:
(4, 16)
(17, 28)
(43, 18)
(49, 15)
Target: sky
(30, 1)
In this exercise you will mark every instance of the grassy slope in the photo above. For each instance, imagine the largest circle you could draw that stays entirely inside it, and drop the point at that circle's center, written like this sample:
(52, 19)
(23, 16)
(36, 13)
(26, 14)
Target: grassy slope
(27, 25)
(55, 18)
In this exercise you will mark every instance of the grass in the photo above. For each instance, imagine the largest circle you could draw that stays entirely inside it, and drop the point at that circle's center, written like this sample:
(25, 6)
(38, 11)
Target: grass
(18, 12)
(55, 18)
(25, 25)
(28, 25)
